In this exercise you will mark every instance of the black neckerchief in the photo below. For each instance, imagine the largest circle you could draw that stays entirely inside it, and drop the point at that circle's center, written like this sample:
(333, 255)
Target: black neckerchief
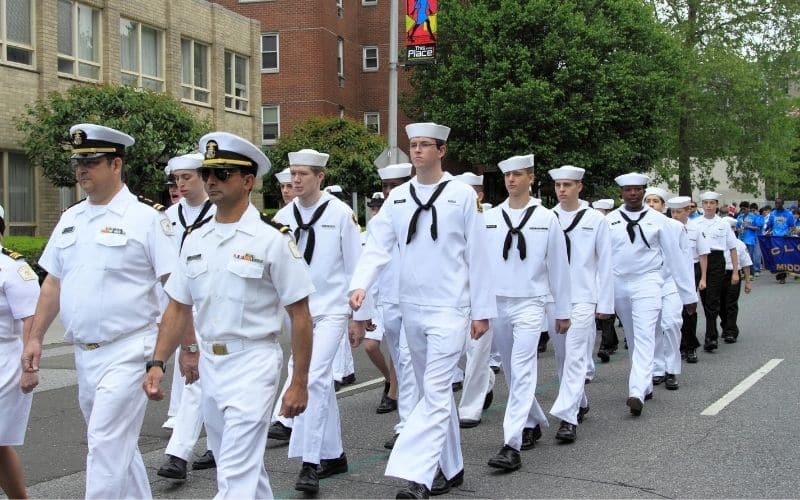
(309, 252)
(518, 231)
(198, 221)
(635, 223)
(572, 226)
(412, 226)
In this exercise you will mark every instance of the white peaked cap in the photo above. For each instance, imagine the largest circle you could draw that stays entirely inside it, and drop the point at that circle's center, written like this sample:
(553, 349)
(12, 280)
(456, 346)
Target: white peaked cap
(567, 172)
(710, 195)
(396, 171)
(516, 163)
(432, 130)
(191, 161)
(308, 158)
(92, 141)
(470, 178)
(335, 188)
(661, 193)
(223, 148)
(377, 195)
(679, 202)
(284, 176)
(605, 204)
(632, 179)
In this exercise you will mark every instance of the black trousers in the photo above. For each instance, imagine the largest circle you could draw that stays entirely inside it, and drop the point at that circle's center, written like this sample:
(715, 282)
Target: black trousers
(729, 308)
(608, 334)
(689, 327)
(712, 295)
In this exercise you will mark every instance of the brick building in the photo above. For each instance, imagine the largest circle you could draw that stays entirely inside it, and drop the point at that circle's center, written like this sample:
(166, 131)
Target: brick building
(199, 52)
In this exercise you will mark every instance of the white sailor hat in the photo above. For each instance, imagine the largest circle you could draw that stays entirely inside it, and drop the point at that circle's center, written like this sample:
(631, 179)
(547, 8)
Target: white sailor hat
(679, 202)
(396, 171)
(470, 179)
(223, 149)
(632, 179)
(432, 130)
(376, 200)
(191, 161)
(604, 204)
(710, 195)
(516, 163)
(284, 176)
(308, 158)
(335, 188)
(92, 141)
(567, 172)
(2, 212)
(661, 193)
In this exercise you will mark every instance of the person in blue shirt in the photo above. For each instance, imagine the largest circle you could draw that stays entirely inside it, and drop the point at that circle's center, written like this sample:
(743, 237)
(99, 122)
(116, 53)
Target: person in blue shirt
(693, 213)
(750, 224)
(780, 222)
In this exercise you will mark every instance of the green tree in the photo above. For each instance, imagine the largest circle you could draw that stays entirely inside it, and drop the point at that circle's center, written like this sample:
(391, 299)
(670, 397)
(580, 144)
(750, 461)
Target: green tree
(582, 82)
(351, 147)
(733, 105)
(161, 126)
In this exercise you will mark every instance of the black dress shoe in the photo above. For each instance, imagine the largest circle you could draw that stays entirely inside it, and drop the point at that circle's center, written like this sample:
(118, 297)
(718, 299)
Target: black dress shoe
(279, 431)
(308, 479)
(457, 386)
(390, 443)
(468, 423)
(529, 437)
(495, 369)
(567, 433)
(487, 401)
(173, 468)
(337, 386)
(658, 379)
(507, 459)
(730, 339)
(206, 461)
(636, 405)
(387, 405)
(648, 396)
(671, 382)
(582, 411)
(414, 490)
(331, 466)
(349, 379)
(691, 356)
(604, 355)
(442, 485)
(710, 345)
(683, 354)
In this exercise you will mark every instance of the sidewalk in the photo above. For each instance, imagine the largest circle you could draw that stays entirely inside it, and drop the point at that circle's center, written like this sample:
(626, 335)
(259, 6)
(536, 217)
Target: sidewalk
(55, 334)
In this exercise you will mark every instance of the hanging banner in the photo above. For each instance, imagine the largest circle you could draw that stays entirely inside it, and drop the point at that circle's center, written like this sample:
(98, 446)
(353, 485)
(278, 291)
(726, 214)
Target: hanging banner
(421, 31)
(781, 254)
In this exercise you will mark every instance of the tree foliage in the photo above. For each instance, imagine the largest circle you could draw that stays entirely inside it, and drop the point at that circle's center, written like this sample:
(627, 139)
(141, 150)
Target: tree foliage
(582, 82)
(161, 126)
(351, 146)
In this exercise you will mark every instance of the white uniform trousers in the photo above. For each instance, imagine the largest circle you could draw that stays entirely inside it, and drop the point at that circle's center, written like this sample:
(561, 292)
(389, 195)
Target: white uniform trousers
(395, 337)
(16, 406)
(317, 433)
(638, 303)
(188, 422)
(113, 404)
(571, 360)
(668, 336)
(517, 328)
(176, 391)
(431, 434)
(590, 368)
(343, 361)
(478, 376)
(237, 392)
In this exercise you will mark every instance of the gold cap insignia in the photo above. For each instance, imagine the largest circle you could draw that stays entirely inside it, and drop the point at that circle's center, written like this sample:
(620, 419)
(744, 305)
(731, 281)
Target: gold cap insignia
(78, 137)
(211, 149)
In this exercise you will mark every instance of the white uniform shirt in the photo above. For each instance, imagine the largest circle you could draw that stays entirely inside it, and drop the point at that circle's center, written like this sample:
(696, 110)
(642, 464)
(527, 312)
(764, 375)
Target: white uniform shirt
(448, 272)
(190, 216)
(698, 244)
(680, 232)
(633, 259)
(742, 254)
(108, 259)
(544, 272)
(19, 291)
(718, 233)
(239, 277)
(591, 267)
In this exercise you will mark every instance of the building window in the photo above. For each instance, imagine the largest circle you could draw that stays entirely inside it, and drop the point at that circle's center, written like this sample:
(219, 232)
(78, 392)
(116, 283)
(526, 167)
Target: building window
(194, 71)
(142, 55)
(269, 52)
(340, 61)
(16, 31)
(17, 193)
(370, 58)
(340, 8)
(78, 40)
(235, 82)
(271, 124)
(369, 3)
(373, 122)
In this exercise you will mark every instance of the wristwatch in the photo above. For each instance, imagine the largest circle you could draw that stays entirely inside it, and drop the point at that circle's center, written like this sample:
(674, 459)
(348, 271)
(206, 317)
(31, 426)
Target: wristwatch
(189, 348)
(155, 362)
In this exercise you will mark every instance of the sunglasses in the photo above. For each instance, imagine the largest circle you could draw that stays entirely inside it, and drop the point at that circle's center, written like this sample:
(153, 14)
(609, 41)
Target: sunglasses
(220, 173)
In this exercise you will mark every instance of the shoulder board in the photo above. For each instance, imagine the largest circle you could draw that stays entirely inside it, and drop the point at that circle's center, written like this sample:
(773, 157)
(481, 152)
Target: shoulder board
(11, 253)
(148, 201)
(271, 222)
(79, 201)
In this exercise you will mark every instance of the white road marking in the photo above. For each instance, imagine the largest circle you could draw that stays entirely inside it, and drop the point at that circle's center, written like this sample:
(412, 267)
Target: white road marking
(740, 389)
(368, 383)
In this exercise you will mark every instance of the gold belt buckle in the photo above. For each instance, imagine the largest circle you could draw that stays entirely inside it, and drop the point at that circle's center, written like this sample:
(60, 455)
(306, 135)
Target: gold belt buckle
(92, 346)
(219, 349)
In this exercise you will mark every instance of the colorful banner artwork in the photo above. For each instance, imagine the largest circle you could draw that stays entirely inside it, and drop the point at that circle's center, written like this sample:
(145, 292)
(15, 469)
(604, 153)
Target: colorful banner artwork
(421, 31)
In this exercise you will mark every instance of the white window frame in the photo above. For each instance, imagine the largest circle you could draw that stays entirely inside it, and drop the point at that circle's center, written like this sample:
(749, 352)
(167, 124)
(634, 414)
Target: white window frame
(369, 3)
(340, 8)
(340, 61)
(192, 86)
(233, 101)
(365, 58)
(7, 189)
(5, 43)
(377, 117)
(139, 74)
(277, 67)
(277, 108)
(75, 58)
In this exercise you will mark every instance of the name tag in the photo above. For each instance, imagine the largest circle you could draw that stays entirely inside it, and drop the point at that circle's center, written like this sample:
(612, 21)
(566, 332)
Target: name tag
(196, 256)
(453, 202)
(586, 228)
(616, 222)
(536, 228)
(67, 230)
(399, 201)
(328, 226)
(491, 226)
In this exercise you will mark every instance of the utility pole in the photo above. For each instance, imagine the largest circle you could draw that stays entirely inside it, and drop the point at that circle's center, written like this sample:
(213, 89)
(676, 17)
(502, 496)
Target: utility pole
(392, 154)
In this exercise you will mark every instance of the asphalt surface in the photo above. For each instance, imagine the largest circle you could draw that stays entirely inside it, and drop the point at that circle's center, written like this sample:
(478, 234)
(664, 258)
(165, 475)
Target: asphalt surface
(748, 449)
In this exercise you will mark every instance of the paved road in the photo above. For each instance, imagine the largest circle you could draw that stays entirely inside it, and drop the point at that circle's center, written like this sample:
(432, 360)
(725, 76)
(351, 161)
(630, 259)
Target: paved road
(748, 449)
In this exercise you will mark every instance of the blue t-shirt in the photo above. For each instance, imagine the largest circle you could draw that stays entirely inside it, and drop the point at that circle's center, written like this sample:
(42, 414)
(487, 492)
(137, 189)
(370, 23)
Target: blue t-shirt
(781, 222)
(749, 236)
